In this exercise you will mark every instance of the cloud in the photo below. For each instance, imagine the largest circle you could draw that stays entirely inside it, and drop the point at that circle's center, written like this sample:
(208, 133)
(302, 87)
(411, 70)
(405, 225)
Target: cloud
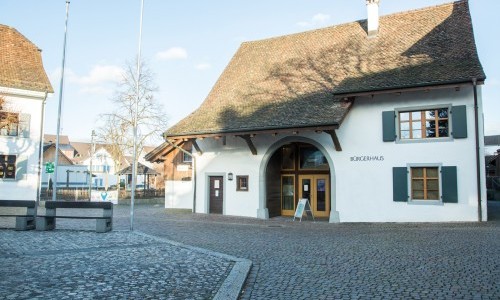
(203, 66)
(96, 90)
(97, 81)
(173, 53)
(317, 20)
(100, 74)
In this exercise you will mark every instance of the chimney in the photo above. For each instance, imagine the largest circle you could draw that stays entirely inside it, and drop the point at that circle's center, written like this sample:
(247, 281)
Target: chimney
(372, 8)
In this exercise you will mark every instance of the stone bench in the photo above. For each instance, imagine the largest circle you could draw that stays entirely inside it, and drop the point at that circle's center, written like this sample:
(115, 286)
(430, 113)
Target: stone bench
(104, 223)
(24, 221)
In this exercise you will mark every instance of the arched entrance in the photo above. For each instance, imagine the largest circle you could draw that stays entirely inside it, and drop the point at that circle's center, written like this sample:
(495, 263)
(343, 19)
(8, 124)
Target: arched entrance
(294, 171)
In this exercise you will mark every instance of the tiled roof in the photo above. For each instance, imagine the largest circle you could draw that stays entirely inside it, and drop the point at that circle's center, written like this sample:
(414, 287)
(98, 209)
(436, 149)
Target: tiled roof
(292, 81)
(52, 138)
(21, 64)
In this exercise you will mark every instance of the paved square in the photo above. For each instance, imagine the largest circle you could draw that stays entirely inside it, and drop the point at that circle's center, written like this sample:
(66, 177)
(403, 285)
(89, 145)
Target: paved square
(291, 260)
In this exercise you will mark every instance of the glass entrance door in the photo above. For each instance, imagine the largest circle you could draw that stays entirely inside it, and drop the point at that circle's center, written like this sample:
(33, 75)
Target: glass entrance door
(316, 189)
(287, 195)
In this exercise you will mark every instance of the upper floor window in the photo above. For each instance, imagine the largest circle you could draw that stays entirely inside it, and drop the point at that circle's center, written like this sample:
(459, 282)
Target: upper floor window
(14, 124)
(423, 124)
(7, 166)
(311, 158)
(186, 158)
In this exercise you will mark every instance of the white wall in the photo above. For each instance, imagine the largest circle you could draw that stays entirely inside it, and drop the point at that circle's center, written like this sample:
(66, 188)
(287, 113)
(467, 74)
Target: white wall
(234, 158)
(179, 194)
(28, 103)
(362, 191)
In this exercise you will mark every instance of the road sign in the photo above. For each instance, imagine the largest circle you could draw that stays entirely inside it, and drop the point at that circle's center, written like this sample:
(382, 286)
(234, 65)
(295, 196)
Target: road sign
(49, 167)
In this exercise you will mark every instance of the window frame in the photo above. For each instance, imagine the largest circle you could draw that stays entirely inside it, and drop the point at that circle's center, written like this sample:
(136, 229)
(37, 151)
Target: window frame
(239, 187)
(299, 159)
(4, 164)
(411, 200)
(10, 125)
(422, 109)
(187, 159)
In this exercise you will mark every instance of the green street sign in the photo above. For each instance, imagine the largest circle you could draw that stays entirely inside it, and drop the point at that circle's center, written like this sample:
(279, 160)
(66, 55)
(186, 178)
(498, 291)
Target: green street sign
(49, 167)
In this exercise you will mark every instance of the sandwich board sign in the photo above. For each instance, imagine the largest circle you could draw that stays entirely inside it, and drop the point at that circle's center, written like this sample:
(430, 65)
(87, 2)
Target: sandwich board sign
(303, 206)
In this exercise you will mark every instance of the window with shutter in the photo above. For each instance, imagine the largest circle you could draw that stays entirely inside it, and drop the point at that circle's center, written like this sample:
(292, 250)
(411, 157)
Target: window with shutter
(24, 125)
(430, 184)
(425, 124)
(400, 184)
(389, 126)
(459, 119)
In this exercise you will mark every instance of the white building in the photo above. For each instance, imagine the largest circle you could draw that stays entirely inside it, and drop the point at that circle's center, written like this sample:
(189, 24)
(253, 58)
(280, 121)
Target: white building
(75, 159)
(372, 121)
(24, 86)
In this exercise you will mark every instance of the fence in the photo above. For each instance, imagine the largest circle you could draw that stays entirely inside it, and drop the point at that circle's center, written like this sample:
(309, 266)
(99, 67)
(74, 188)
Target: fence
(493, 187)
(83, 194)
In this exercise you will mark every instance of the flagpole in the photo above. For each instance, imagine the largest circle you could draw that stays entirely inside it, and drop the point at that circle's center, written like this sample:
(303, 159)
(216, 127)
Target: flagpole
(134, 154)
(61, 86)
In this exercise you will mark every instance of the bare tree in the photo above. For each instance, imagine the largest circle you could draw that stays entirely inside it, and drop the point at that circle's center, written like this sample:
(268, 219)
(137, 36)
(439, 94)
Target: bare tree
(117, 128)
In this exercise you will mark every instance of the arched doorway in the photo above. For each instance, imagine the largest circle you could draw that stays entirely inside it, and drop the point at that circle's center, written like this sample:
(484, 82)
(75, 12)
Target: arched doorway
(294, 171)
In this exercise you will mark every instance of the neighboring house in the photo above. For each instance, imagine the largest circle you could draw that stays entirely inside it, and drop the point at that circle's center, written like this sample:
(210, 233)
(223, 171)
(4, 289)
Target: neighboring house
(492, 162)
(371, 121)
(24, 86)
(491, 144)
(75, 160)
(492, 152)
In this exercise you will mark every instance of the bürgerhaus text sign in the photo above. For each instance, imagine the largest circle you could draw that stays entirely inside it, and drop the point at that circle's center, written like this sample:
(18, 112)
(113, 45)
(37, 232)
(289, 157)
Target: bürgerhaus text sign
(367, 158)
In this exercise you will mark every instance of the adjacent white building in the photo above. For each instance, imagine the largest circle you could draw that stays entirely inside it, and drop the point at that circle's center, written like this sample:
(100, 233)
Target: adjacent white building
(24, 86)
(76, 159)
(377, 120)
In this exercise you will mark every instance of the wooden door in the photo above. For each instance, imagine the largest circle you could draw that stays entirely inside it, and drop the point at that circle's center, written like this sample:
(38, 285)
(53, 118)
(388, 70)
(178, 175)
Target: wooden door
(316, 188)
(216, 194)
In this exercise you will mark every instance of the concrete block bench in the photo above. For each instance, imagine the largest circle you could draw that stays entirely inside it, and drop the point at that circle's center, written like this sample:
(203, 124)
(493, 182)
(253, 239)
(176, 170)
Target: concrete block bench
(24, 221)
(104, 223)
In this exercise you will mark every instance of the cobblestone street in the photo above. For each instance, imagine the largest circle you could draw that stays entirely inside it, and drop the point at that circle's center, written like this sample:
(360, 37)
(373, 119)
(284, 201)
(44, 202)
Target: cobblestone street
(291, 260)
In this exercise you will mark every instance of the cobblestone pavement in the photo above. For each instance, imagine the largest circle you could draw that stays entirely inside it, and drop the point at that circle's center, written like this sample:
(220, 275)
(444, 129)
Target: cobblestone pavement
(305, 260)
(293, 260)
(68, 264)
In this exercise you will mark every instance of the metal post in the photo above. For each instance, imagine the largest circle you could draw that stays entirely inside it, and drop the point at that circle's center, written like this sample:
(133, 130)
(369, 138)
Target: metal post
(92, 150)
(61, 86)
(134, 154)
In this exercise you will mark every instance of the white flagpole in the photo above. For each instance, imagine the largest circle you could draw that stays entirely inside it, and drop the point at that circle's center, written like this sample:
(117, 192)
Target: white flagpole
(61, 86)
(134, 155)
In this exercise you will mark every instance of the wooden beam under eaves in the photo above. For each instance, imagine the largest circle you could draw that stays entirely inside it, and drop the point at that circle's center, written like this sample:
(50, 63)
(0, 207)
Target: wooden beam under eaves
(250, 144)
(196, 146)
(335, 139)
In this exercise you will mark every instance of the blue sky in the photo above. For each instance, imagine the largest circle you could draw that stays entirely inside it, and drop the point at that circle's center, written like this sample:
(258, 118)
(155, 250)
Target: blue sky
(187, 44)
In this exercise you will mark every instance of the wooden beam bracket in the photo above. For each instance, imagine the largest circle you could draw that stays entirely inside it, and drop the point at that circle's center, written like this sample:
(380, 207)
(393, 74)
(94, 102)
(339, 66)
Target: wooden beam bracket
(335, 139)
(250, 144)
(197, 147)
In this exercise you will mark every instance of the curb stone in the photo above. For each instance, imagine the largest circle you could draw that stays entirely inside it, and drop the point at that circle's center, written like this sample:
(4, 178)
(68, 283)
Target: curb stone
(233, 284)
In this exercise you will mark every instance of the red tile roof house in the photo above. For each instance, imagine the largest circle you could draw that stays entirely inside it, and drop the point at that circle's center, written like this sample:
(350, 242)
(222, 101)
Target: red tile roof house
(24, 86)
(376, 120)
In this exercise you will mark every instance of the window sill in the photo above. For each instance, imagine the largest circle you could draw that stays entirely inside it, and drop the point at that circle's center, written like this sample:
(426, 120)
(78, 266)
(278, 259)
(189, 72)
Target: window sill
(426, 202)
(428, 140)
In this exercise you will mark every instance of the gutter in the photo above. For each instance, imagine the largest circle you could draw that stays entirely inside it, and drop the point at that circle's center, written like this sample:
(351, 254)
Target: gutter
(478, 159)
(40, 153)
(194, 170)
